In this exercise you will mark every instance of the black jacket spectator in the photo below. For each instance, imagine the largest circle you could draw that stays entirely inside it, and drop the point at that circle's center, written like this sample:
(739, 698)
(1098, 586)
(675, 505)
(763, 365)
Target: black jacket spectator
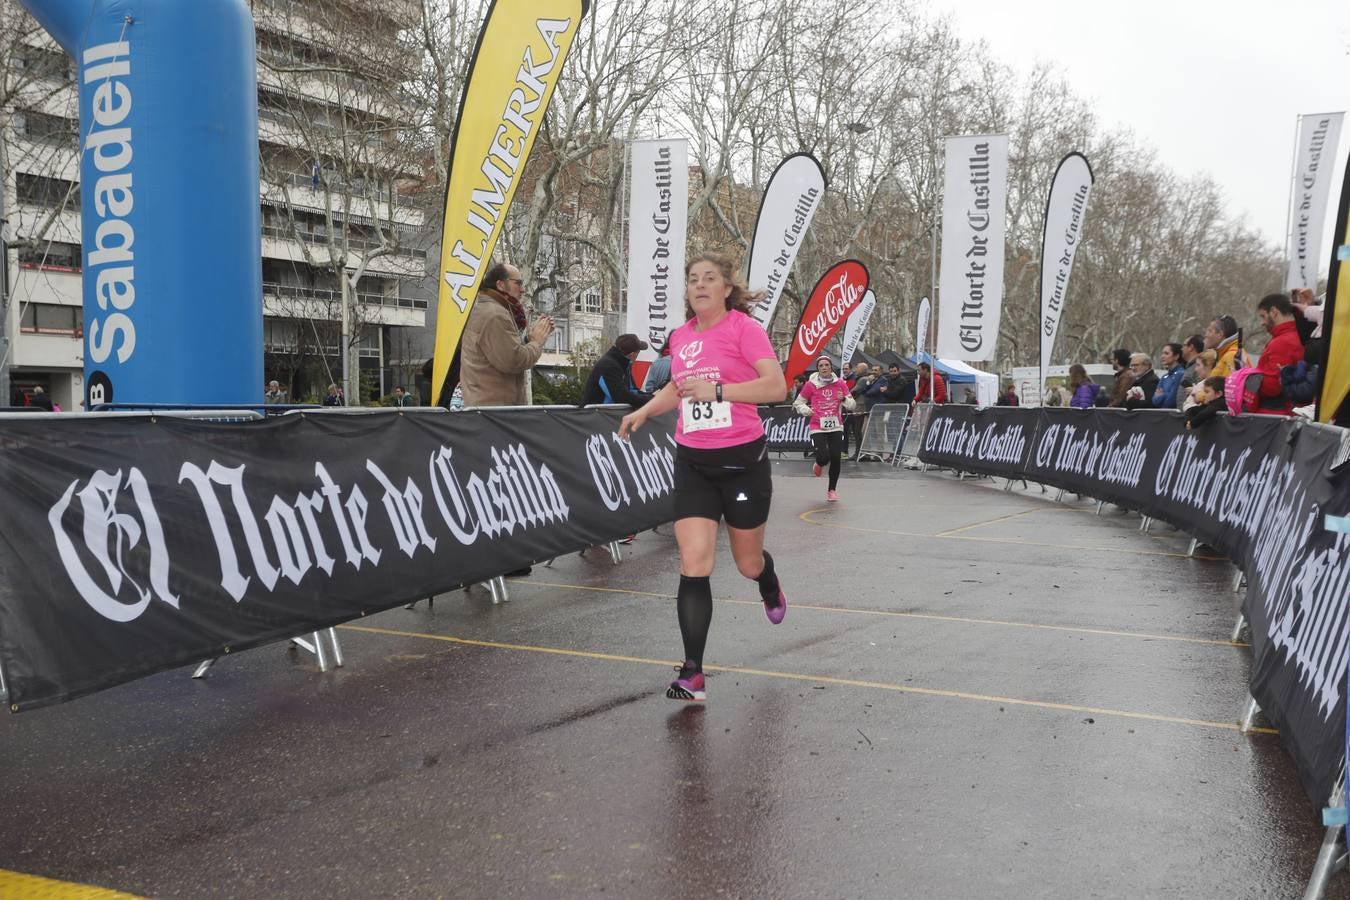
(899, 390)
(1202, 413)
(1143, 383)
(1148, 383)
(611, 381)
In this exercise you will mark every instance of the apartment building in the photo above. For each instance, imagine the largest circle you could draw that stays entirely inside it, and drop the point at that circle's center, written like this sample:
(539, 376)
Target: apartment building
(336, 197)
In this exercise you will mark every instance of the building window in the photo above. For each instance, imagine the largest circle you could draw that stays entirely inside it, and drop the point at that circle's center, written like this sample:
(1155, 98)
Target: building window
(56, 255)
(39, 190)
(280, 336)
(49, 318)
(560, 340)
(591, 301)
(49, 129)
(43, 63)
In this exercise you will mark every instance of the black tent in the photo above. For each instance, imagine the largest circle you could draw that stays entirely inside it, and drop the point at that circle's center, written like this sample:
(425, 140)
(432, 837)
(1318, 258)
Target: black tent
(859, 356)
(891, 358)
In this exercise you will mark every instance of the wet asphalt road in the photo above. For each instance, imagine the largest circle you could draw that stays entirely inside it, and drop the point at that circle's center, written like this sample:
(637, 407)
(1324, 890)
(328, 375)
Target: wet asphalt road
(975, 693)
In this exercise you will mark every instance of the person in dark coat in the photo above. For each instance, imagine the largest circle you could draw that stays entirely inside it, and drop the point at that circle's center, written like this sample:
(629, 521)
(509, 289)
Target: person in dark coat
(1203, 413)
(611, 378)
(1144, 381)
(898, 388)
(41, 400)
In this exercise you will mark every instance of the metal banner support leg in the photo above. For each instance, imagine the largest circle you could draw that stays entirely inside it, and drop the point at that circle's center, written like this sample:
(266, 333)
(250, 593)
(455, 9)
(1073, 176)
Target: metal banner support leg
(314, 644)
(1237, 628)
(1239, 579)
(1100, 504)
(1248, 713)
(497, 588)
(1331, 858)
(615, 553)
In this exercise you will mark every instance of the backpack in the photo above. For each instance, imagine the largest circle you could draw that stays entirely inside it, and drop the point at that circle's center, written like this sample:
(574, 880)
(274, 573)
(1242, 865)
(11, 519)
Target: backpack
(1299, 382)
(1241, 392)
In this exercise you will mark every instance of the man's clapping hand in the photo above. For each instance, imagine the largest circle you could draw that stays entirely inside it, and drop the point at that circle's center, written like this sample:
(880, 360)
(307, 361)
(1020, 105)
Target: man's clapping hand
(539, 331)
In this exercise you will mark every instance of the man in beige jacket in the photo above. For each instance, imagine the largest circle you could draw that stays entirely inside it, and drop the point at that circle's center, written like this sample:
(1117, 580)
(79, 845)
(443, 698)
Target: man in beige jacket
(495, 361)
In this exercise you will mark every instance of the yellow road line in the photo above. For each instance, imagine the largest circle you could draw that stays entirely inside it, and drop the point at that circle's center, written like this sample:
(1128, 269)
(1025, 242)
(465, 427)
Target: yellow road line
(934, 617)
(32, 887)
(992, 521)
(805, 517)
(815, 679)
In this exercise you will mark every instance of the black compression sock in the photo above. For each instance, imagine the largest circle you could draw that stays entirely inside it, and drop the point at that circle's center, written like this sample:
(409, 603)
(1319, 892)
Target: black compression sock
(768, 581)
(694, 607)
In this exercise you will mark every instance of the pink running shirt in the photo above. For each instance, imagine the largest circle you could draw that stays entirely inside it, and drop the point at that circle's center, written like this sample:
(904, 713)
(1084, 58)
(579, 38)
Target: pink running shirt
(727, 352)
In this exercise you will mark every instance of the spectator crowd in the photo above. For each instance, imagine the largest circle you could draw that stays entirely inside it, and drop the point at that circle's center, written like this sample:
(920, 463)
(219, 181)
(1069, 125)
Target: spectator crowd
(1215, 371)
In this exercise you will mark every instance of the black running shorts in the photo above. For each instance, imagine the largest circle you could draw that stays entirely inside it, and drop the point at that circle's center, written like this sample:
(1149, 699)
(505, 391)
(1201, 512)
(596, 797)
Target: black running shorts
(735, 482)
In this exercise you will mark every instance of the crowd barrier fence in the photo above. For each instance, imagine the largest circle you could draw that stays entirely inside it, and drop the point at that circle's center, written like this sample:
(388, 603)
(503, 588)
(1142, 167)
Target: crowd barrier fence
(134, 542)
(884, 431)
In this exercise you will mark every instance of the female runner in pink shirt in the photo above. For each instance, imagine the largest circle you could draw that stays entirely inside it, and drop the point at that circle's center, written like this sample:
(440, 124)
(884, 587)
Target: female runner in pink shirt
(824, 398)
(722, 367)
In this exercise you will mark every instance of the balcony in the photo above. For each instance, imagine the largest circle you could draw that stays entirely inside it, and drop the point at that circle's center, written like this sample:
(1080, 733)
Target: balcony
(48, 284)
(283, 243)
(293, 302)
(357, 200)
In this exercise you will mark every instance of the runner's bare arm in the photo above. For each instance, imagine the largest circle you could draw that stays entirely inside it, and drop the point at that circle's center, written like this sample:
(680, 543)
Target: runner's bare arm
(665, 400)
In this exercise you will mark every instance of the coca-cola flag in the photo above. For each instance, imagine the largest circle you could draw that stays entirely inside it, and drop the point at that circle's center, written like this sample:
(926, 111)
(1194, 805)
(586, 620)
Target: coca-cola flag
(857, 326)
(1064, 210)
(838, 293)
(789, 203)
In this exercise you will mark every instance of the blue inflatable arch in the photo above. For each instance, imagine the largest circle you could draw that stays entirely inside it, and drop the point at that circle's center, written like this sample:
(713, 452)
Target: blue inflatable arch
(169, 197)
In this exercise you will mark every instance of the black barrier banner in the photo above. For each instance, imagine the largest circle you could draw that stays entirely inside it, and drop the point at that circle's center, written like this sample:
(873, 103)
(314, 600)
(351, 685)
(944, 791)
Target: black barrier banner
(1257, 488)
(133, 545)
(785, 429)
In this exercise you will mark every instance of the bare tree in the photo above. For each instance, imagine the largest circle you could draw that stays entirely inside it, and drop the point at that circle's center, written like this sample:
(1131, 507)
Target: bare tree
(749, 81)
(39, 140)
(342, 136)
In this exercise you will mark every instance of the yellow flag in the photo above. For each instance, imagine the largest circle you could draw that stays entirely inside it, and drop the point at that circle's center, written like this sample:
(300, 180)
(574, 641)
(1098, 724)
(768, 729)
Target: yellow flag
(514, 69)
(1336, 316)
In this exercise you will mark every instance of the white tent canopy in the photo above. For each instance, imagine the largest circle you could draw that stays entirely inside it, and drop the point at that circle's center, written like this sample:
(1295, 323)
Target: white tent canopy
(986, 383)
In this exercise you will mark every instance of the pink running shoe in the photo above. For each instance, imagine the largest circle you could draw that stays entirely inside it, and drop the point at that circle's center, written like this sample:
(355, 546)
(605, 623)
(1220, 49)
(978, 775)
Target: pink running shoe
(775, 614)
(832, 496)
(815, 469)
(689, 688)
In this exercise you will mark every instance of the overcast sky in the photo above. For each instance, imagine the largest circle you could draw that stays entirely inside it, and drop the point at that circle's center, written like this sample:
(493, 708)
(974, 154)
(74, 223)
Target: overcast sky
(1214, 86)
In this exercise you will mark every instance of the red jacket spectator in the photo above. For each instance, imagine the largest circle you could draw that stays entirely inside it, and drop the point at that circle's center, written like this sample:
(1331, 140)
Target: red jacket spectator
(1284, 349)
(939, 386)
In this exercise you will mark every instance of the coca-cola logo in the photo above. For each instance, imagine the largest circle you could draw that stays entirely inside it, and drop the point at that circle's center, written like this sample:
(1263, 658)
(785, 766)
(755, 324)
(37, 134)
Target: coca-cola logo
(690, 353)
(840, 299)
